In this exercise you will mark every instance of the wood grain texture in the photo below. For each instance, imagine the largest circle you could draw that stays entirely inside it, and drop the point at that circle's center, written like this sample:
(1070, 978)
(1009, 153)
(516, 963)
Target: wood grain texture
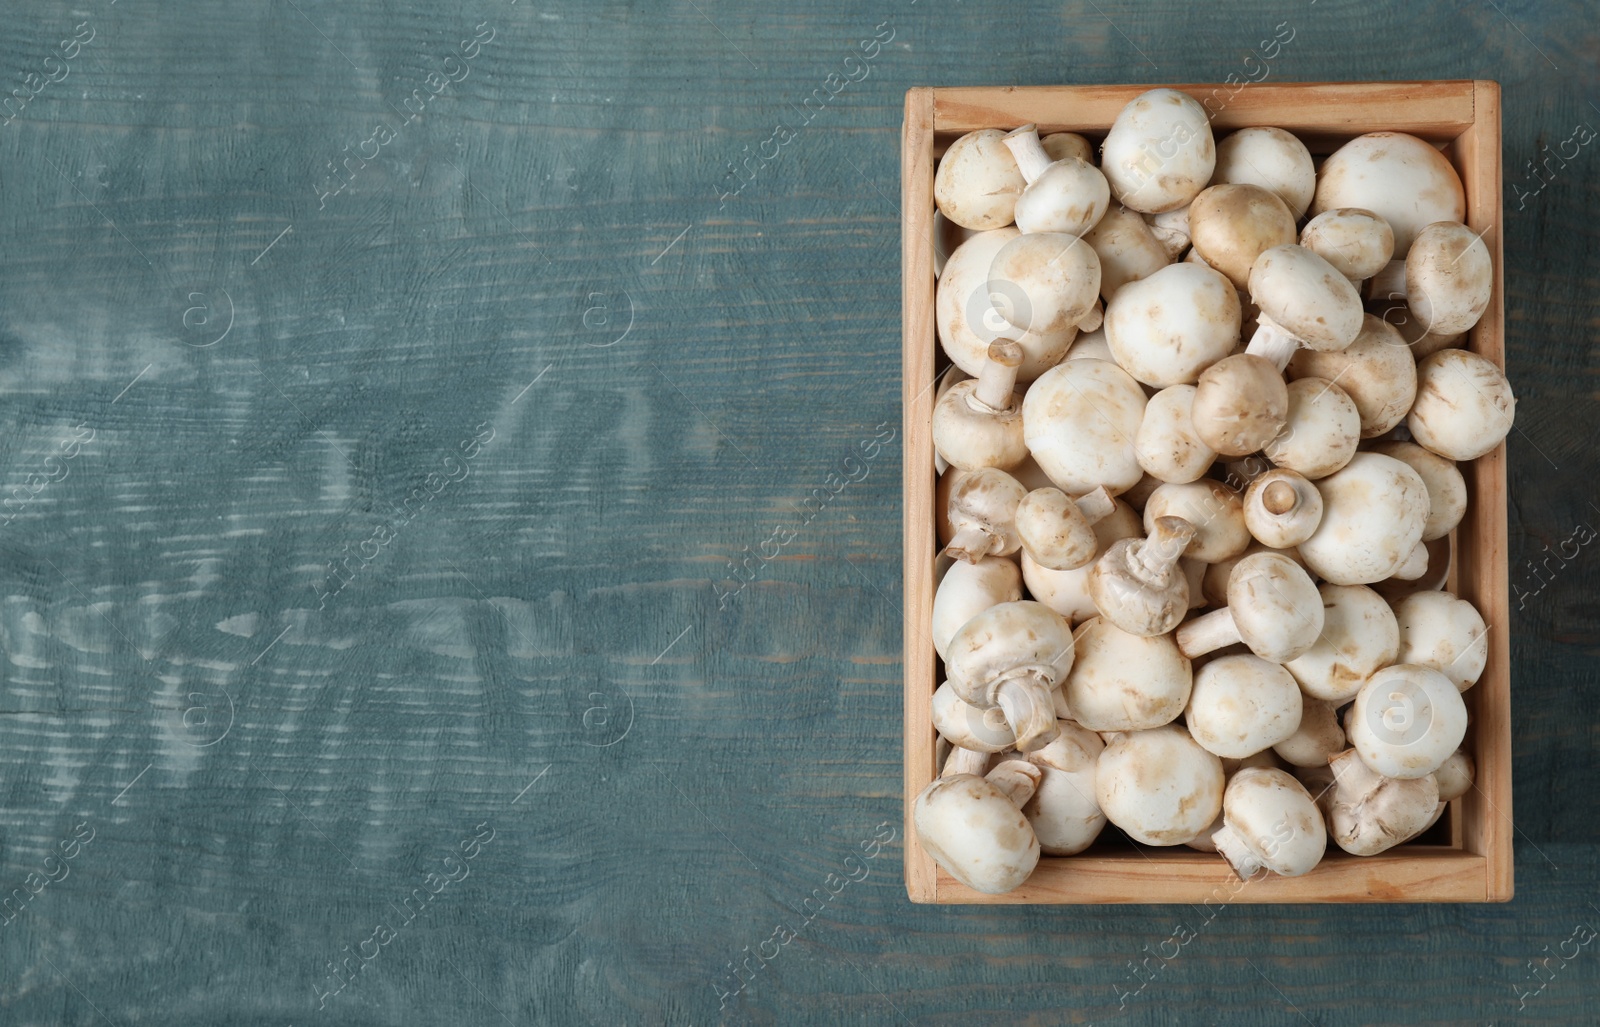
(536, 610)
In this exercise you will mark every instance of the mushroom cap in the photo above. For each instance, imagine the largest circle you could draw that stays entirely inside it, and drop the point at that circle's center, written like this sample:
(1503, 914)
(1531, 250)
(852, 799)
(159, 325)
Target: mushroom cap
(978, 181)
(1069, 196)
(1231, 225)
(1282, 509)
(1359, 636)
(1061, 145)
(1406, 721)
(1270, 158)
(968, 727)
(1004, 639)
(1449, 277)
(1441, 631)
(1357, 242)
(1464, 405)
(1063, 811)
(1216, 511)
(1127, 248)
(1079, 420)
(1159, 152)
(1166, 445)
(987, 498)
(1321, 431)
(1091, 344)
(1318, 737)
(1159, 786)
(1454, 776)
(976, 833)
(1241, 404)
(1124, 682)
(1054, 531)
(1275, 606)
(968, 321)
(1397, 176)
(966, 590)
(1447, 489)
(1306, 296)
(1242, 704)
(1369, 813)
(1373, 512)
(1274, 818)
(1168, 327)
(1214, 584)
(1050, 278)
(1067, 592)
(1377, 372)
(970, 435)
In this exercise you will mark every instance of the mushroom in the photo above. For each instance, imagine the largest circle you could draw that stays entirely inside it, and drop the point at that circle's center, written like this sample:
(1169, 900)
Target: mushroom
(978, 422)
(1061, 145)
(1318, 737)
(1454, 776)
(1052, 282)
(1166, 445)
(1214, 582)
(1215, 511)
(1447, 489)
(1436, 576)
(1013, 656)
(1159, 786)
(1369, 813)
(1447, 280)
(1079, 420)
(1282, 508)
(967, 589)
(1231, 225)
(1270, 822)
(1171, 228)
(1065, 194)
(1058, 531)
(1358, 243)
(967, 727)
(1359, 636)
(1406, 721)
(968, 321)
(1273, 608)
(978, 181)
(1373, 512)
(1441, 631)
(1067, 592)
(1402, 179)
(1125, 682)
(1159, 152)
(1240, 405)
(1063, 811)
(1168, 327)
(1321, 431)
(1376, 371)
(982, 512)
(963, 761)
(1128, 250)
(1464, 405)
(1305, 303)
(1272, 159)
(1138, 586)
(973, 826)
(1091, 344)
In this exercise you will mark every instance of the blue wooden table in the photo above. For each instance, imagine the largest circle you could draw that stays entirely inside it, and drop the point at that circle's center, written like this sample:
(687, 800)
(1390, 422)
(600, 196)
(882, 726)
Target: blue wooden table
(412, 609)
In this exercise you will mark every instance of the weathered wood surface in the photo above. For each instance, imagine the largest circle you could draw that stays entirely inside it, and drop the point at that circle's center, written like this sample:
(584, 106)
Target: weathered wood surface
(272, 755)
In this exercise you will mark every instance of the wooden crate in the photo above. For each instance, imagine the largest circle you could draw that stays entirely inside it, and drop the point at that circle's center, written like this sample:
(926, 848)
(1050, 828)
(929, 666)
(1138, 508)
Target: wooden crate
(1464, 118)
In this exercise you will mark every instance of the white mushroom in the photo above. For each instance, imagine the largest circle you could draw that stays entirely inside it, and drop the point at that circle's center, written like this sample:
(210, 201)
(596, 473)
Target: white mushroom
(1067, 592)
(1091, 344)
(968, 589)
(1171, 228)
(1402, 179)
(1061, 145)
(1305, 303)
(1373, 512)
(963, 761)
(978, 182)
(1241, 705)
(1447, 489)
(1359, 636)
(1013, 656)
(973, 827)
(982, 512)
(1159, 152)
(1138, 586)
(1317, 739)
(978, 422)
(1270, 823)
(1282, 508)
(1168, 327)
(1231, 225)
(1065, 194)
(1321, 432)
(1377, 372)
(1464, 405)
(1159, 786)
(1166, 445)
(1050, 282)
(1406, 721)
(1357, 242)
(1214, 582)
(1273, 608)
(1447, 280)
(1369, 813)
(1063, 810)
(1125, 682)
(968, 320)
(1441, 631)
(1128, 250)
(1272, 159)
(967, 727)
(1080, 419)
(1215, 510)
(1240, 405)
(1454, 776)
(1058, 531)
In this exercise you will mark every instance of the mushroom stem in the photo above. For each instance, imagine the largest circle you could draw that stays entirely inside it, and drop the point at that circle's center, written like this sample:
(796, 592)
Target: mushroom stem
(1030, 153)
(1029, 707)
(970, 544)
(1279, 498)
(965, 761)
(1389, 283)
(1091, 321)
(997, 381)
(1096, 506)
(1230, 846)
(1017, 780)
(1153, 558)
(1272, 342)
(1207, 633)
(1416, 564)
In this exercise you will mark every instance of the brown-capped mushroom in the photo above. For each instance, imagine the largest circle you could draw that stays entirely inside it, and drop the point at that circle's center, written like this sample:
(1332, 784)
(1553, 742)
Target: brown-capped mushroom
(1231, 225)
(1240, 405)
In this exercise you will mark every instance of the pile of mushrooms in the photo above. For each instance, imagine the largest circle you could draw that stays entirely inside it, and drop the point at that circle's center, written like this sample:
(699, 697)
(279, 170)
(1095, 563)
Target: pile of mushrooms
(1198, 482)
